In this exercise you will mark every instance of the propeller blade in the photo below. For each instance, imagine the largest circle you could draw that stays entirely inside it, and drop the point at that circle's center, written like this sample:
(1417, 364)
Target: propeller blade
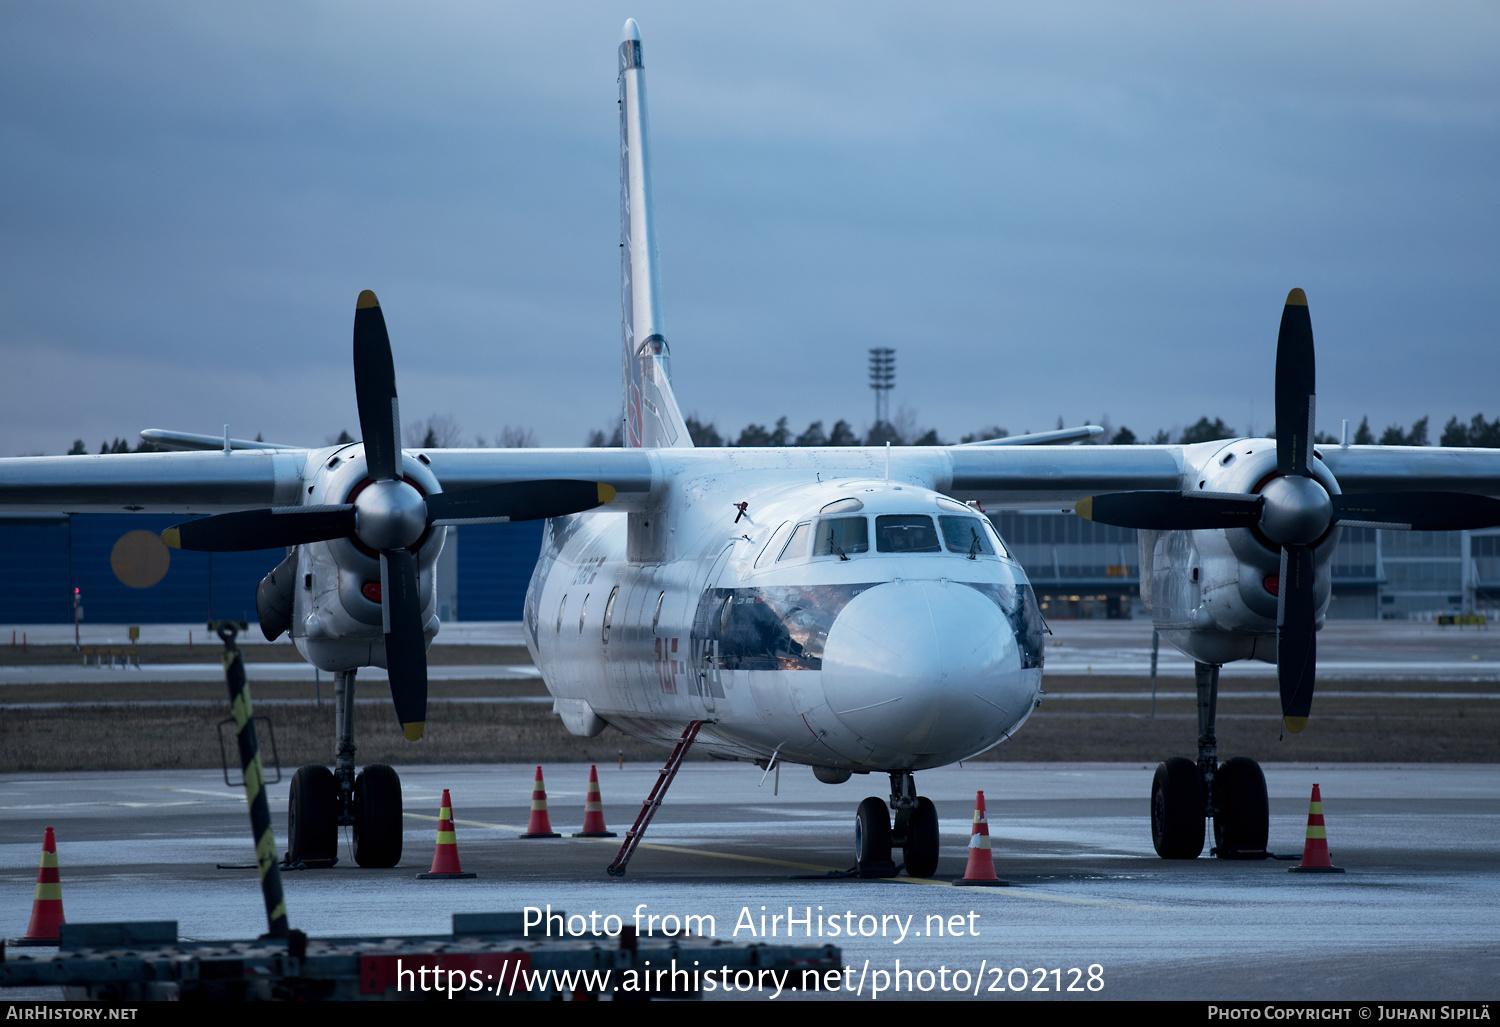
(1296, 386)
(1165, 511)
(405, 648)
(262, 529)
(375, 390)
(1418, 511)
(517, 501)
(1296, 638)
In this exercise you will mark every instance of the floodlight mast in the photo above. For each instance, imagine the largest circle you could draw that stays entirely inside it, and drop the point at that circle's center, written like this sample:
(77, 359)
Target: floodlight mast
(882, 381)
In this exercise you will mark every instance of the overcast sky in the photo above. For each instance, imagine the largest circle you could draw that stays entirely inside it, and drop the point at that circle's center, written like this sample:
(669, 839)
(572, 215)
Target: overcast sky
(1059, 210)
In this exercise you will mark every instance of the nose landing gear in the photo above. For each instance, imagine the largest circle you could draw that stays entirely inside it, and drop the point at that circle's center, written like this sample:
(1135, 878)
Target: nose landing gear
(1233, 794)
(322, 801)
(915, 831)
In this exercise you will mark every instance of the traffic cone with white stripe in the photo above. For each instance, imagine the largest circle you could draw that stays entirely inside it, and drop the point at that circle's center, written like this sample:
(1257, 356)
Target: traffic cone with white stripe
(445, 856)
(593, 811)
(1315, 858)
(539, 826)
(981, 866)
(46, 907)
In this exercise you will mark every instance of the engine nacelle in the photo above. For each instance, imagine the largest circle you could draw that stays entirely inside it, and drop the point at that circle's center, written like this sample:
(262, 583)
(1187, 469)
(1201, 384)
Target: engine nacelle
(336, 619)
(1213, 592)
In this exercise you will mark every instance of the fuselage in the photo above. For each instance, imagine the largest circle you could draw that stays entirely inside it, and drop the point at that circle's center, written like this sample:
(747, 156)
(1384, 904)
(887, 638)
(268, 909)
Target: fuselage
(848, 623)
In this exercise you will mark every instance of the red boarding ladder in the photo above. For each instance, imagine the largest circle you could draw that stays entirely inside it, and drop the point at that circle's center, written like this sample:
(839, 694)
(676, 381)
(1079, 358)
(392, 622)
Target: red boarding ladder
(654, 800)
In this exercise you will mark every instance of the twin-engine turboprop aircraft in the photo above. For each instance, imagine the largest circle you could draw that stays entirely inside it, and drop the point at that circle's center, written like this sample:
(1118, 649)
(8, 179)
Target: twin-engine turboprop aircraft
(844, 608)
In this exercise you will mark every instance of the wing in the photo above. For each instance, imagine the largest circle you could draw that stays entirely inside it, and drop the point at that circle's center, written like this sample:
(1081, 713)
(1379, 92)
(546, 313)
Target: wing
(206, 483)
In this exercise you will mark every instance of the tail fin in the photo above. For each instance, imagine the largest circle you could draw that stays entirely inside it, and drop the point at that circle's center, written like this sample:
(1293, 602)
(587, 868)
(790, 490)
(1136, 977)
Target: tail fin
(651, 414)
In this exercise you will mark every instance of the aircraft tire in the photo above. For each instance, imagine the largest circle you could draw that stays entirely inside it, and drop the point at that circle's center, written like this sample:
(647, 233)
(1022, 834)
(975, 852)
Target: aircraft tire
(312, 821)
(1177, 806)
(872, 832)
(922, 839)
(1244, 821)
(377, 817)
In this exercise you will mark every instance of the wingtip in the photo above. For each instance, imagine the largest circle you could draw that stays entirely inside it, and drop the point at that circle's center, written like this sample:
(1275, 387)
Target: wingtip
(414, 730)
(1085, 508)
(631, 32)
(366, 300)
(1296, 298)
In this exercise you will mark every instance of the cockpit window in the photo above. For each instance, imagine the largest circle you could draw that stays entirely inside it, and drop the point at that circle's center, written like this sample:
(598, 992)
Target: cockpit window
(905, 533)
(966, 535)
(989, 527)
(796, 546)
(841, 536)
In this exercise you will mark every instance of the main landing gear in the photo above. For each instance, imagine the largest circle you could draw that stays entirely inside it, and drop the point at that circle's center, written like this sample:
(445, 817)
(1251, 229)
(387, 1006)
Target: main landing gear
(323, 800)
(1232, 794)
(915, 831)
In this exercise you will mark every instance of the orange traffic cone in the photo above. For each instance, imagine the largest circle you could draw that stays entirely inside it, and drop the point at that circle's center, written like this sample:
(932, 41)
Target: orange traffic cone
(46, 908)
(445, 856)
(1315, 850)
(593, 811)
(981, 866)
(539, 826)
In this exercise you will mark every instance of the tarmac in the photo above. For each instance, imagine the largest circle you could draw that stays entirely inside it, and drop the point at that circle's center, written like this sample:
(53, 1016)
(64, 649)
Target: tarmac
(1415, 916)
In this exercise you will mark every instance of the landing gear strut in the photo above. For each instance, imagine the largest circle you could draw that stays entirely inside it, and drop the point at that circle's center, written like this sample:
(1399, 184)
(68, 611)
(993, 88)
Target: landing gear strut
(369, 801)
(915, 831)
(1232, 794)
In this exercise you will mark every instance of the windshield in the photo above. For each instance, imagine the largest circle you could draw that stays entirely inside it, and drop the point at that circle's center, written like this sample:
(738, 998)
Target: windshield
(906, 533)
(966, 535)
(840, 536)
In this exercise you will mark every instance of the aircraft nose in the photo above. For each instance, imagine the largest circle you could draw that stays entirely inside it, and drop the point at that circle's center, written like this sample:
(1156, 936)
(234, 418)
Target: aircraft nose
(925, 667)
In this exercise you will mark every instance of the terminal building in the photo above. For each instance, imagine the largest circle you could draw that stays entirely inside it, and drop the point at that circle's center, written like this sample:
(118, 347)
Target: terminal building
(122, 574)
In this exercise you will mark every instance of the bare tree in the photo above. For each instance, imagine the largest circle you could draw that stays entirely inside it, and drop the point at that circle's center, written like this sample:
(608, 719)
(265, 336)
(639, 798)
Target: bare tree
(515, 437)
(440, 431)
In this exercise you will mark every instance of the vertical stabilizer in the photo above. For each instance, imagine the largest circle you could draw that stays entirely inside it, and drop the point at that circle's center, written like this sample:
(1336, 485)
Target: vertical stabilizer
(651, 414)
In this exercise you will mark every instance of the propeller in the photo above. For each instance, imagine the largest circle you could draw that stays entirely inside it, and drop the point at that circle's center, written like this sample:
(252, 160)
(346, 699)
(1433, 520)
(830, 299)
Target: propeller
(1294, 511)
(388, 515)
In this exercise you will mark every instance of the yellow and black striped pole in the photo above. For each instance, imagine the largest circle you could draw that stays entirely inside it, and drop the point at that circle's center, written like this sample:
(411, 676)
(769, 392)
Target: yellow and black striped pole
(255, 790)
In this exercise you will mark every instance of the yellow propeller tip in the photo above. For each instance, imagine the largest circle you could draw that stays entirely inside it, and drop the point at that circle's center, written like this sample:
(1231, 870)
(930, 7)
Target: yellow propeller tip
(1296, 298)
(172, 538)
(1085, 508)
(606, 492)
(366, 300)
(413, 731)
(1294, 724)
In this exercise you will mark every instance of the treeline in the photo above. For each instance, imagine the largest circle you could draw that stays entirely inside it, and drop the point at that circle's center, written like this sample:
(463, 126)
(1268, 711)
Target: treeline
(1477, 432)
(440, 432)
(841, 434)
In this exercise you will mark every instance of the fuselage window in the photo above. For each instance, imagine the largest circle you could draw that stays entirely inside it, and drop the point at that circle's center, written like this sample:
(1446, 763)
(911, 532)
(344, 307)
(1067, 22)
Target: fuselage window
(656, 617)
(583, 612)
(966, 535)
(561, 607)
(609, 613)
(771, 543)
(840, 536)
(796, 546)
(906, 533)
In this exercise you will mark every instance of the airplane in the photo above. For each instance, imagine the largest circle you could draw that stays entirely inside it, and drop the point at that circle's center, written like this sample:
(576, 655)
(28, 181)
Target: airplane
(846, 609)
